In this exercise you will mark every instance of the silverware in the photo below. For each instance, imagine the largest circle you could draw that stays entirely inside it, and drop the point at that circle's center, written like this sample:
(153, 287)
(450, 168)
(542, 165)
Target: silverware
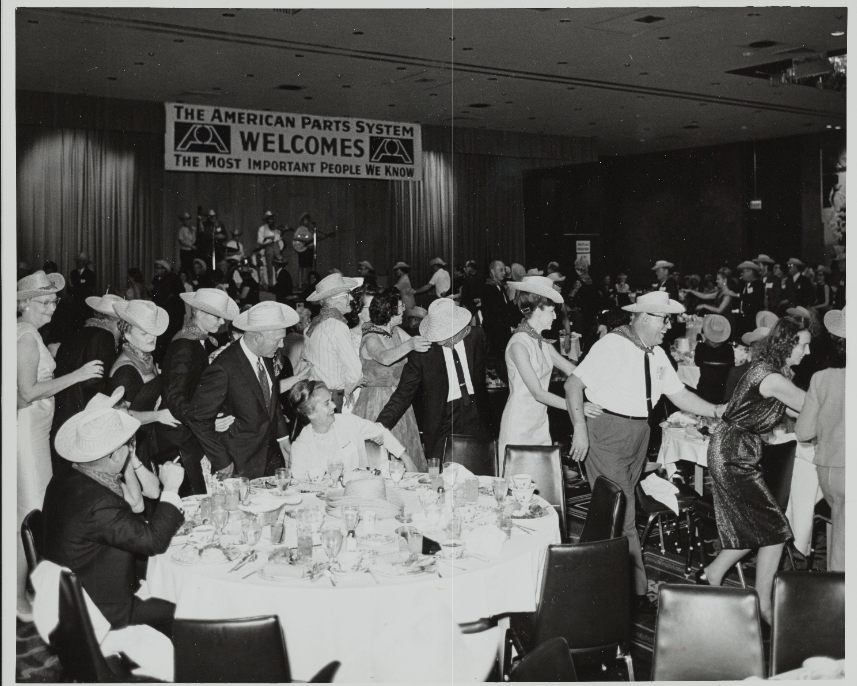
(329, 575)
(374, 578)
(523, 528)
(250, 574)
(478, 557)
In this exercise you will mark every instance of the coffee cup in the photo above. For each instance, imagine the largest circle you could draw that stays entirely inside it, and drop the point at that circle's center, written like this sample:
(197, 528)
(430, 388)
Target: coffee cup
(522, 480)
(202, 534)
(451, 549)
(348, 560)
(315, 474)
(523, 495)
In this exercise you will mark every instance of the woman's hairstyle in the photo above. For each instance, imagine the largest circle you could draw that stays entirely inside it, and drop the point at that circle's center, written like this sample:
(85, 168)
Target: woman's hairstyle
(300, 397)
(314, 275)
(135, 274)
(385, 306)
(352, 317)
(815, 326)
(776, 347)
(837, 356)
(528, 302)
(725, 272)
(124, 327)
(404, 270)
(614, 318)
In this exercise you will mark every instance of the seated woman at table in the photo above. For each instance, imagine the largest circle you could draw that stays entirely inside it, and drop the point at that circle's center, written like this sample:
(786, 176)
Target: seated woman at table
(714, 358)
(722, 298)
(746, 512)
(335, 435)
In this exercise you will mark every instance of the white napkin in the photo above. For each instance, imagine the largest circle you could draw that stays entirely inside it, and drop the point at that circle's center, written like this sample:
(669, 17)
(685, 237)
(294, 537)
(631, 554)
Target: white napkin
(683, 418)
(485, 540)
(661, 490)
(455, 474)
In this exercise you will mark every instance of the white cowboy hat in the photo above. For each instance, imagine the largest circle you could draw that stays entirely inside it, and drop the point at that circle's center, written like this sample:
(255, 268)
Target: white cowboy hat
(795, 261)
(367, 264)
(93, 434)
(656, 302)
(765, 259)
(184, 215)
(100, 401)
(266, 316)
(267, 214)
(331, 285)
(540, 285)
(716, 328)
(165, 264)
(401, 265)
(535, 272)
(747, 264)
(663, 264)
(437, 261)
(418, 312)
(212, 213)
(443, 320)
(824, 269)
(799, 312)
(756, 335)
(39, 283)
(197, 260)
(556, 276)
(766, 319)
(212, 300)
(835, 322)
(359, 280)
(104, 304)
(143, 314)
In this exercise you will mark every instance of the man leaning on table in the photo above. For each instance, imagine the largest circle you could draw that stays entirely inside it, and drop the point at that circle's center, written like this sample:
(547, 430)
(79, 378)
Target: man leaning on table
(626, 372)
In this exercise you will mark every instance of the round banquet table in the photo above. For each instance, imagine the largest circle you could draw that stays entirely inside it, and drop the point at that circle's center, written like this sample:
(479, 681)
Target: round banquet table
(323, 623)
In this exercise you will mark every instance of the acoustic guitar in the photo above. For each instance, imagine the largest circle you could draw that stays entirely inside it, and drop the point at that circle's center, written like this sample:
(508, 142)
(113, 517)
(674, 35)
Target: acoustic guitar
(303, 238)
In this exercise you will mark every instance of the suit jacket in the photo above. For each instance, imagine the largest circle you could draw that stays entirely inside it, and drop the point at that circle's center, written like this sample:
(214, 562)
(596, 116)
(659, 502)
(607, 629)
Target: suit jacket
(184, 362)
(230, 385)
(773, 289)
(429, 369)
(752, 302)
(81, 285)
(497, 316)
(799, 292)
(93, 532)
(670, 286)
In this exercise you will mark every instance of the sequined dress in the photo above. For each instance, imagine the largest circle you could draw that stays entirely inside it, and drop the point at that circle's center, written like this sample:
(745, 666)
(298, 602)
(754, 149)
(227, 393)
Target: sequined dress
(746, 512)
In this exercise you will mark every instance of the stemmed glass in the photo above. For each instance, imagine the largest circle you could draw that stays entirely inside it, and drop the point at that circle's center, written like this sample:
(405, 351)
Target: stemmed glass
(252, 530)
(397, 471)
(501, 490)
(432, 515)
(219, 517)
(350, 514)
(331, 541)
(335, 468)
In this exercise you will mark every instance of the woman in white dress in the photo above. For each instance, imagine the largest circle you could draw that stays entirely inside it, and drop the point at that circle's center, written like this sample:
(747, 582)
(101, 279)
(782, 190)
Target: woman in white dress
(530, 360)
(37, 302)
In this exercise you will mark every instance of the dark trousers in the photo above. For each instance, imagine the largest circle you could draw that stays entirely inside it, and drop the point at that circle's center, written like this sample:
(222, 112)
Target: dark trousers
(154, 612)
(458, 420)
(337, 396)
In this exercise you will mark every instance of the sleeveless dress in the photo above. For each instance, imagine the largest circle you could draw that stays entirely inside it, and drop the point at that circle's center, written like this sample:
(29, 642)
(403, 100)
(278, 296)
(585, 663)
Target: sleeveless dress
(525, 419)
(34, 428)
(143, 397)
(379, 382)
(746, 512)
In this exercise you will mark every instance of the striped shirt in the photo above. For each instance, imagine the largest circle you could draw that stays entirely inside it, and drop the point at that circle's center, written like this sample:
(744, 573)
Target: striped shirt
(332, 356)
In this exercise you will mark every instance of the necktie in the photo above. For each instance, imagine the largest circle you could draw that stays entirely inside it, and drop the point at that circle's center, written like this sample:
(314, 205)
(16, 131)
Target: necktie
(263, 380)
(648, 381)
(462, 384)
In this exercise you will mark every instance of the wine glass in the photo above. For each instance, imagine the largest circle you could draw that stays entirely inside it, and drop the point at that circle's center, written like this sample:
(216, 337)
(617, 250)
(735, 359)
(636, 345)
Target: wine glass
(397, 471)
(501, 490)
(432, 515)
(334, 468)
(350, 515)
(252, 530)
(244, 489)
(219, 517)
(331, 541)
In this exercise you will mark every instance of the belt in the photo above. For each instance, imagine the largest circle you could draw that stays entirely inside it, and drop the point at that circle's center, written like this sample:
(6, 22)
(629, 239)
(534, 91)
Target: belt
(626, 416)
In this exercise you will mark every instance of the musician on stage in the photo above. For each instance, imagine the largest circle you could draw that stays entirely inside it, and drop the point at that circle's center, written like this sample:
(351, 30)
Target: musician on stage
(269, 238)
(306, 235)
(213, 235)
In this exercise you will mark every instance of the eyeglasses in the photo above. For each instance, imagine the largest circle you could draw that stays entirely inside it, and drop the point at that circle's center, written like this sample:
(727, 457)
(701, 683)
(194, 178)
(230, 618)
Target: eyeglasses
(49, 303)
(665, 318)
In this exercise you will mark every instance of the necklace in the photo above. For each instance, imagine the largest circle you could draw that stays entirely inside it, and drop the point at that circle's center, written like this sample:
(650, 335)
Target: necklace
(524, 327)
(139, 358)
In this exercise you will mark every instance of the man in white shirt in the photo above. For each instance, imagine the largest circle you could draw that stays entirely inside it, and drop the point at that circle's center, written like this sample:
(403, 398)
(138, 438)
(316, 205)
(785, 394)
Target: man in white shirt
(187, 243)
(327, 344)
(626, 372)
(439, 281)
(268, 236)
(403, 283)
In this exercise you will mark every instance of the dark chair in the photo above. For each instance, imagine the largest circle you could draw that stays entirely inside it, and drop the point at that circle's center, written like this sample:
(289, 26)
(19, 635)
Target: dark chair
(551, 661)
(606, 512)
(476, 454)
(76, 646)
(32, 537)
(326, 674)
(656, 511)
(822, 515)
(808, 618)
(543, 463)
(585, 599)
(707, 633)
(249, 650)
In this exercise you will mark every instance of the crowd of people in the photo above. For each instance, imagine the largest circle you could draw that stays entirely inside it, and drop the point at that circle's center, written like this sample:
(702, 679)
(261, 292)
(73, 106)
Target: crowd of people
(117, 412)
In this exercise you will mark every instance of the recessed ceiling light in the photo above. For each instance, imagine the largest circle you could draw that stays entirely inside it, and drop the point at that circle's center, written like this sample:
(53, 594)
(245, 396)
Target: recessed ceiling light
(663, 38)
(289, 87)
(392, 104)
(178, 40)
(492, 78)
(401, 68)
(228, 14)
(565, 21)
(345, 85)
(298, 55)
(837, 33)
(837, 127)
(466, 49)
(479, 105)
(762, 44)
(32, 21)
(830, 126)
(432, 95)
(562, 62)
(754, 14)
(307, 97)
(249, 76)
(649, 19)
(644, 73)
(357, 33)
(113, 78)
(691, 126)
(139, 64)
(531, 117)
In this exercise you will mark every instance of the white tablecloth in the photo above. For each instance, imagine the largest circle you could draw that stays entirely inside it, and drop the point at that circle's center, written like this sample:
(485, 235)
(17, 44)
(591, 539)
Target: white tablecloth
(322, 623)
(689, 374)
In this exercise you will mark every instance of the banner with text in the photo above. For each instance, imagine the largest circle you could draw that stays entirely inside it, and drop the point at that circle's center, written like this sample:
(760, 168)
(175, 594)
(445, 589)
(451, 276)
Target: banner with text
(201, 138)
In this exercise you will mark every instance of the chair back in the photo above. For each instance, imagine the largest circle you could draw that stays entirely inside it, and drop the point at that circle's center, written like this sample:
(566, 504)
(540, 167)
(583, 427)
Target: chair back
(32, 537)
(326, 674)
(586, 595)
(606, 513)
(230, 650)
(476, 454)
(707, 633)
(74, 639)
(551, 661)
(808, 618)
(778, 463)
(544, 464)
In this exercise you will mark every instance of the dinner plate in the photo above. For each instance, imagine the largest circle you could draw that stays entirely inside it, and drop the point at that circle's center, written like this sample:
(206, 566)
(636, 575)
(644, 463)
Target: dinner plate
(261, 574)
(194, 499)
(443, 558)
(376, 540)
(543, 512)
(350, 574)
(201, 563)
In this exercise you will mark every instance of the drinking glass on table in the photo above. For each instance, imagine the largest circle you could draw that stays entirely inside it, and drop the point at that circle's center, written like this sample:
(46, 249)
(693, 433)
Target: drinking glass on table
(304, 527)
(434, 467)
(331, 541)
(501, 490)
(335, 468)
(432, 514)
(251, 527)
(397, 471)
(350, 515)
(219, 517)
(471, 489)
(282, 477)
(244, 489)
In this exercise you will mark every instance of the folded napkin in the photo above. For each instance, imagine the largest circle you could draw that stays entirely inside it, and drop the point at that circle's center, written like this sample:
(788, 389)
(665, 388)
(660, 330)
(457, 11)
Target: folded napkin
(682, 418)
(661, 490)
(486, 541)
(455, 474)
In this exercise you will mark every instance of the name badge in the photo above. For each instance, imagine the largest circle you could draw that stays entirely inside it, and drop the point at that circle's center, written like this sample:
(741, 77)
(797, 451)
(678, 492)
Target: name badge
(83, 280)
(661, 372)
(768, 285)
(749, 289)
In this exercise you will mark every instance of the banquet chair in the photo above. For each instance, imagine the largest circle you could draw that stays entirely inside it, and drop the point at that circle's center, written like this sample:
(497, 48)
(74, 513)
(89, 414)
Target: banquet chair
(543, 464)
(32, 537)
(326, 674)
(707, 633)
(821, 515)
(476, 454)
(808, 618)
(657, 512)
(585, 598)
(551, 661)
(76, 645)
(606, 512)
(251, 650)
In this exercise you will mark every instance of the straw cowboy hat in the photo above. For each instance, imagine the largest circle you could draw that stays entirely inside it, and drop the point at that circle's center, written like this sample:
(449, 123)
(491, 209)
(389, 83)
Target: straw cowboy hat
(212, 300)
(267, 214)
(444, 320)
(104, 304)
(367, 264)
(766, 319)
(795, 261)
(799, 312)
(418, 312)
(535, 272)
(212, 213)
(540, 285)
(266, 316)
(747, 264)
(663, 264)
(93, 434)
(656, 302)
(143, 314)
(556, 276)
(835, 322)
(716, 328)
(165, 264)
(331, 285)
(437, 261)
(100, 401)
(764, 259)
(184, 215)
(38, 283)
(368, 493)
(201, 262)
(756, 335)
(401, 265)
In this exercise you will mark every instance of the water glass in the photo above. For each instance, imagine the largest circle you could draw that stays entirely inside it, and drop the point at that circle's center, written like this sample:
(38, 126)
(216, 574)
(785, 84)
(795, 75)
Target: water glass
(397, 471)
(219, 517)
(434, 467)
(432, 514)
(278, 533)
(282, 477)
(350, 515)
(501, 490)
(459, 498)
(471, 489)
(218, 500)
(244, 489)
(205, 510)
(331, 540)
(504, 520)
(411, 539)
(304, 527)
(251, 530)
(335, 468)
(455, 525)
(232, 495)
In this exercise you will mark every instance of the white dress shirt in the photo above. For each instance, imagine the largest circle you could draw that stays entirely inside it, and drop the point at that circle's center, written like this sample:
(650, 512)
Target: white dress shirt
(253, 363)
(452, 376)
(440, 281)
(331, 355)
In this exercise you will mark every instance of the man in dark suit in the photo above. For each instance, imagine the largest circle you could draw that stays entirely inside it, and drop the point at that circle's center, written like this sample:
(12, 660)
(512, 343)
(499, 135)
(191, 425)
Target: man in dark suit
(452, 374)
(499, 319)
(241, 382)
(184, 362)
(665, 281)
(752, 297)
(798, 289)
(91, 529)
